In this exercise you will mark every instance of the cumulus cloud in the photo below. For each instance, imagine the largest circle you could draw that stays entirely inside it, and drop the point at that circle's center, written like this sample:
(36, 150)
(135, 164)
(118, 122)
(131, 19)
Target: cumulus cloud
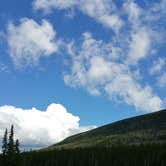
(30, 40)
(103, 11)
(124, 88)
(140, 37)
(140, 45)
(34, 127)
(97, 69)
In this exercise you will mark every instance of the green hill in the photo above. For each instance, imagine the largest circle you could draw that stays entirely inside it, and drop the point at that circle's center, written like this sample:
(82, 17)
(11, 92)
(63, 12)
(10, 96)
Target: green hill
(145, 129)
(138, 141)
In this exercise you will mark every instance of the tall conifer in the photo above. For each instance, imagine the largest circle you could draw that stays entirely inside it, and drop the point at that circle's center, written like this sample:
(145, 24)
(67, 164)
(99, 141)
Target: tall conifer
(4, 144)
(11, 148)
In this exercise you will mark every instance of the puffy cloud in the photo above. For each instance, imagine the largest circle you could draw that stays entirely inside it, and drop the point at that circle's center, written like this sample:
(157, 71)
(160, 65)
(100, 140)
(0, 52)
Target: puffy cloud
(103, 11)
(137, 35)
(140, 45)
(96, 68)
(34, 127)
(29, 41)
(101, 67)
(125, 88)
(141, 37)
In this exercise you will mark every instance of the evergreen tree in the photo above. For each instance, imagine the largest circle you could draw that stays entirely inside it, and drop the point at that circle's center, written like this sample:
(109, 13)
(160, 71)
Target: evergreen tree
(4, 144)
(11, 149)
(17, 147)
(4, 149)
(17, 153)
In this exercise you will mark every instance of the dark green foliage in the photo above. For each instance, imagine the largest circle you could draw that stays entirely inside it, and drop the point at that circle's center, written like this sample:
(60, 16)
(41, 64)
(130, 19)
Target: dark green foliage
(10, 155)
(4, 144)
(142, 155)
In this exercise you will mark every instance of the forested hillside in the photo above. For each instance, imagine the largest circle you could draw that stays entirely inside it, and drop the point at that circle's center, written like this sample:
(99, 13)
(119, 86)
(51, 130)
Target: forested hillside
(145, 129)
(139, 141)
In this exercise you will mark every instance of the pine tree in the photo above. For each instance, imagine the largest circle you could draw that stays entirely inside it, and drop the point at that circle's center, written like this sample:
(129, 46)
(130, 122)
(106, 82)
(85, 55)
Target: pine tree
(11, 149)
(4, 144)
(17, 144)
(4, 149)
(17, 153)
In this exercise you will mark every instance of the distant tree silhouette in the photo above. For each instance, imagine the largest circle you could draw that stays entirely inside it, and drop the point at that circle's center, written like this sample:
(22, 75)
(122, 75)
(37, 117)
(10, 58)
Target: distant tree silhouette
(17, 150)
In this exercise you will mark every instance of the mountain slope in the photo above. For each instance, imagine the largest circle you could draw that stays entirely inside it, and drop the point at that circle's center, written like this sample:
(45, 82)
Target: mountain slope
(149, 128)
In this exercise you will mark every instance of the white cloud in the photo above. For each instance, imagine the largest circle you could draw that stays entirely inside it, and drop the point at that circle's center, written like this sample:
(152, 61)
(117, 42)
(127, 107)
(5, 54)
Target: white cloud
(157, 66)
(158, 71)
(136, 34)
(140, 45)
(101, 67)
(133, 10)
(126, 88)
(103, 11)
(141, 36)
(85, 70)
(47, 6)
(98, 65)
(29, 41)
(40, 128)
(96, 69)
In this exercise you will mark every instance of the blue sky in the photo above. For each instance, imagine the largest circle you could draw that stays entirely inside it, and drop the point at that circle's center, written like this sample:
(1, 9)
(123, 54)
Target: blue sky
(100, 60)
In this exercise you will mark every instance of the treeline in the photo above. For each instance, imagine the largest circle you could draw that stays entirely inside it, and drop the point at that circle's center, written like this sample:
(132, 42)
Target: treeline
(142, 155)
(119, 155)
